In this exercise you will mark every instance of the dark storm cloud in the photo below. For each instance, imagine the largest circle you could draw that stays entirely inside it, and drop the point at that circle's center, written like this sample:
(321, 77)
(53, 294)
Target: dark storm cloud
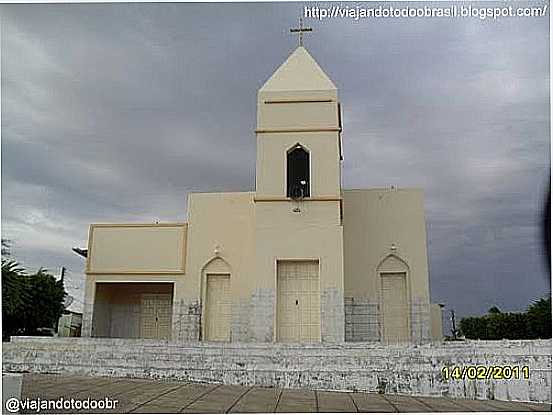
(113, 112)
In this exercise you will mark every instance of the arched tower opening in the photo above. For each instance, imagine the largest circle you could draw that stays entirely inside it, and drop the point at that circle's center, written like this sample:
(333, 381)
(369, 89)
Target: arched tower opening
(297, 172)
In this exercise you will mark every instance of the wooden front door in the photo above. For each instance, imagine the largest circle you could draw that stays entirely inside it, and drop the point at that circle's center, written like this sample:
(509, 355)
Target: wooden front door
(155, 316)
(218, 307)
(298, 301)
(395, 307)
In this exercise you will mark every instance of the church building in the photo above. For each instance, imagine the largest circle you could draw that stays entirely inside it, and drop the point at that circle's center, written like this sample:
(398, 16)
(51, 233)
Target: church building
(297, 260)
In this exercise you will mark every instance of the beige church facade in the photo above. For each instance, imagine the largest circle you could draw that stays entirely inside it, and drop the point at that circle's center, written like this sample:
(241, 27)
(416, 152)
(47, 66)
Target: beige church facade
(297, 260)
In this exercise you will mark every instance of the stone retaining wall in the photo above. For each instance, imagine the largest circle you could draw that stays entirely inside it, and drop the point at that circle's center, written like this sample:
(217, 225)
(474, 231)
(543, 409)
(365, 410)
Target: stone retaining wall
(367, 367)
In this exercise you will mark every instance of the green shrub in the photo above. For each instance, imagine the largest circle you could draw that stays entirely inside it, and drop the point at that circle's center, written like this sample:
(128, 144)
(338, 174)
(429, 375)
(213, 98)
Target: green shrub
(533, 324)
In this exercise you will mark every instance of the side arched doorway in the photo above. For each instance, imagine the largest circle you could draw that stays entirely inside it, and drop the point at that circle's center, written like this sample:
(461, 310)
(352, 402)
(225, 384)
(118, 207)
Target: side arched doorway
(393, 274)
(216, 314)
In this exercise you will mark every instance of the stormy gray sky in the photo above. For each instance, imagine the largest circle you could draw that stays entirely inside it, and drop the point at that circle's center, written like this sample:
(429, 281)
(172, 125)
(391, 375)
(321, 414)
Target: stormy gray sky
(114, 112)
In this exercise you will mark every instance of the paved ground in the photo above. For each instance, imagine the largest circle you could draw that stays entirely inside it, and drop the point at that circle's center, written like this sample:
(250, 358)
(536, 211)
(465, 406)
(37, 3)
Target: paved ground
(148, 396)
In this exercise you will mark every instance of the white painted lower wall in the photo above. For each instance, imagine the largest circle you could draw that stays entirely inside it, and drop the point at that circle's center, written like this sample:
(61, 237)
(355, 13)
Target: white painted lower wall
(367, 367)
(11, 387)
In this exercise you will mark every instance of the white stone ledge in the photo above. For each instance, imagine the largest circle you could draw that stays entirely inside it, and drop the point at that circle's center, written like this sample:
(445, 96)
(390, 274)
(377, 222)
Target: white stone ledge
(368, 367)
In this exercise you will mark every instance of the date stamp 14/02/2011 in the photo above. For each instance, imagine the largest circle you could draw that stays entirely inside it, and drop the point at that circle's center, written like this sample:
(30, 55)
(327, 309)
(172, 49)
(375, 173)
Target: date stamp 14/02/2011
(482, 372)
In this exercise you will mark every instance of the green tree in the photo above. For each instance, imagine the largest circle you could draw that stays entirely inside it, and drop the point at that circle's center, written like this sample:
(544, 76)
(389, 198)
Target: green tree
(539, 319)
(507, 326)
(6, 244)
(494, 310)
(47, 295)
(517, 326)
(533, 324)
(474, 328)
(14, 297)
(29, 302)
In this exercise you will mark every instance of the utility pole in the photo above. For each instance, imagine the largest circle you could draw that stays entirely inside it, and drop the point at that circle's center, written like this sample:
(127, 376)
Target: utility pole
(62, 277)
(453, 329)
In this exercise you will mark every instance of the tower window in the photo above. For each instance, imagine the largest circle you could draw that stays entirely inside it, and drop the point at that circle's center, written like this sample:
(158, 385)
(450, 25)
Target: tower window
(297, 174)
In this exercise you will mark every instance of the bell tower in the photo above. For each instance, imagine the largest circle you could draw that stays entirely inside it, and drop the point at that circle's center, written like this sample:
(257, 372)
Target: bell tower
(298, 222)
(298, 132)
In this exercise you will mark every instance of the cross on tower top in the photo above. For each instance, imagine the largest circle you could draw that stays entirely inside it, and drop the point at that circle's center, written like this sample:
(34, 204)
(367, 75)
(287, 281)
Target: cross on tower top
(300, 30)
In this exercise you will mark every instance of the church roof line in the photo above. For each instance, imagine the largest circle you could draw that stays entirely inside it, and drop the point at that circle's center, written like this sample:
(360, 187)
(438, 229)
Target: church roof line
(384, 189)
(300, 72)
(215, 192)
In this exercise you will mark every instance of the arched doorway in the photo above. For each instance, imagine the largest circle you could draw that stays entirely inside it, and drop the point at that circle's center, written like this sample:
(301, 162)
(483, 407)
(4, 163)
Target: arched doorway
(394, 300)
(217, 300)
